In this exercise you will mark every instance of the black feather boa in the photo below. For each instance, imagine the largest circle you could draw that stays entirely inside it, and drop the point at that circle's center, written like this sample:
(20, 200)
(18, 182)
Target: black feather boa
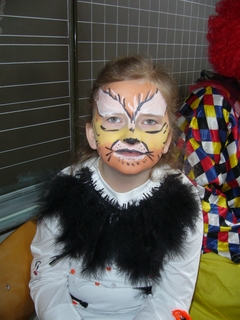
(138, 238)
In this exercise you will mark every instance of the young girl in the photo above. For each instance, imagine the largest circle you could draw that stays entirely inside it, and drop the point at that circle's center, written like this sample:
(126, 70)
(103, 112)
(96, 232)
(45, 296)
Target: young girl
(119, 233)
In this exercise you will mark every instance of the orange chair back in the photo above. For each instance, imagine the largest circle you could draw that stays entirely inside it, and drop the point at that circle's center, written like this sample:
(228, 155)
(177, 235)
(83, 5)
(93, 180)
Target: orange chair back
(15, 261)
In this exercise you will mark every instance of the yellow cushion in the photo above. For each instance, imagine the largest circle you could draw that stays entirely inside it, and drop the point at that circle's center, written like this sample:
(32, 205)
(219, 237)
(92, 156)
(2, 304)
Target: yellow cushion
(217, 293)
(15, 257)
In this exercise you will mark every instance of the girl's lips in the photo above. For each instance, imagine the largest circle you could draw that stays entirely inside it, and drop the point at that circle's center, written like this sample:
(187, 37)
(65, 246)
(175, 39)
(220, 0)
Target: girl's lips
(129, 154)
(120, 147)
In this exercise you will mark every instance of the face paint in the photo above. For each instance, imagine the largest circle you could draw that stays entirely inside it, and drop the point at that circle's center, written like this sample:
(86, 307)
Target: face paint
(131, 126)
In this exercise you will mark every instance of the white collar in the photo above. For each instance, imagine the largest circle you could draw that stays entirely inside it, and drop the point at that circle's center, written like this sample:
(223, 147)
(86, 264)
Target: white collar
(122, 198)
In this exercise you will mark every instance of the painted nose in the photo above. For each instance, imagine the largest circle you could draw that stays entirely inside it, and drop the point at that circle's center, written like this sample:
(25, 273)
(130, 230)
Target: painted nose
(131, 141)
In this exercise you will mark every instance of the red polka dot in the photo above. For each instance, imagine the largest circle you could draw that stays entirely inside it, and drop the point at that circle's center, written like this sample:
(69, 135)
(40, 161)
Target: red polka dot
(72, 271)
(108, 268)
(97, 283)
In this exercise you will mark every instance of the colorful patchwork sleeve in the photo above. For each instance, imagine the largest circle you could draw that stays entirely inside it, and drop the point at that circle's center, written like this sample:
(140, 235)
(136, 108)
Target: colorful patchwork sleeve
(210, 138)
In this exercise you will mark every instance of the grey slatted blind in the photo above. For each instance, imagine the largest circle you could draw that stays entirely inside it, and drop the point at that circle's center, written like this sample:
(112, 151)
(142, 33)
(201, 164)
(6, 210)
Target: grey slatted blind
(35, 115)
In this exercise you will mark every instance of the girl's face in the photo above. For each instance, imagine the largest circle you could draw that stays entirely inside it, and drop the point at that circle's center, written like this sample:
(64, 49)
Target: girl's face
(130, 127)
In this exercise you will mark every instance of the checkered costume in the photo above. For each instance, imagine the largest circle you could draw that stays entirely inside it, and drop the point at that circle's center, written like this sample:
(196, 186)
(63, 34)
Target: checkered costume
(210, 126)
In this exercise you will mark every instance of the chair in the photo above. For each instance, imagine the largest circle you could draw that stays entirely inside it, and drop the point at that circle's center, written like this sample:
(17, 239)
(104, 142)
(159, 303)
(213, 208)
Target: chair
(216, 295)
(15, 257)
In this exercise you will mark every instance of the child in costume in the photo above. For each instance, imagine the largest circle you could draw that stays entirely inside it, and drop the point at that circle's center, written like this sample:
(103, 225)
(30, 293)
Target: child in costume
(119, 233)
(210, 125)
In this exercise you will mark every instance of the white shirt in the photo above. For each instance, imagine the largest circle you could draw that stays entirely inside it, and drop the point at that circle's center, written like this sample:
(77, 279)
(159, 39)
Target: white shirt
(111, 296)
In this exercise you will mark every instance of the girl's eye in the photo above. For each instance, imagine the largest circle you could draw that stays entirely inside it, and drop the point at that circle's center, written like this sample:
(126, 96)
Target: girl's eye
(149, 122)
(114, 120)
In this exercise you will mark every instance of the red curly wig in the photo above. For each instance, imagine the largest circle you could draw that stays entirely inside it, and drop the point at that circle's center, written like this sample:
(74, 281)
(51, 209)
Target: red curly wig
(224, 38)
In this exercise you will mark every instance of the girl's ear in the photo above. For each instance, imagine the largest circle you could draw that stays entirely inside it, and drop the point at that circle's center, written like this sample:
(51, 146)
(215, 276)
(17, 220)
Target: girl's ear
(167, 144)
(91, 136)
